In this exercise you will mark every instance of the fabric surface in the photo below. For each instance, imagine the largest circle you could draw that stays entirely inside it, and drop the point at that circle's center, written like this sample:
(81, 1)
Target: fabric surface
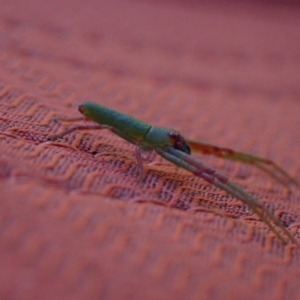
(74, 222)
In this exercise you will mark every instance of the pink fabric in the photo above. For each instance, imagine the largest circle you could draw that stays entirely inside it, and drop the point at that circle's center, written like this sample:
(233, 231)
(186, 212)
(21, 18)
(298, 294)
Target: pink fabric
(74, 223)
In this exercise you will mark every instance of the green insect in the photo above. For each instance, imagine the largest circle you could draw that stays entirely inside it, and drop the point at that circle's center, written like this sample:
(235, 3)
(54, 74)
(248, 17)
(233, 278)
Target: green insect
(173, 147)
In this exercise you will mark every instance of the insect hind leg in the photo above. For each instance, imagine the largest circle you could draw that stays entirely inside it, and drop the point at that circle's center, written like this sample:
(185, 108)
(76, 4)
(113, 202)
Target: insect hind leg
(76, 128)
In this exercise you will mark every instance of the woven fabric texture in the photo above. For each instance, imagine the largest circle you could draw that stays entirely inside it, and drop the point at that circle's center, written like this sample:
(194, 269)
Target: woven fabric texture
(74, 222)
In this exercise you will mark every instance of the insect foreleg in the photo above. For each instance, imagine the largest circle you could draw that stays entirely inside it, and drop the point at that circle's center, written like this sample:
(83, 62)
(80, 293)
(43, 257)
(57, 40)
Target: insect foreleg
(273, 175)
(189, 163)
(238, 192)
(199, 169)
(261, 163)
(262, 211)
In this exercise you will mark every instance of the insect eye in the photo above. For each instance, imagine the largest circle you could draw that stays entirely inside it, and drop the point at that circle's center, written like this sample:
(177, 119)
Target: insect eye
(186, 148)
(80, 108)
(174, 135)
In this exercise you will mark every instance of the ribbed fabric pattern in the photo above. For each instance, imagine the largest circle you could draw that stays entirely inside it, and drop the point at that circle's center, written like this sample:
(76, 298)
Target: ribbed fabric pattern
(74, 222)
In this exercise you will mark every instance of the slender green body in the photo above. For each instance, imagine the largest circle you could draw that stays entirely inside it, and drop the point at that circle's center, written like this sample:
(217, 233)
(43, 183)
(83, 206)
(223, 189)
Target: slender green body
(121, 122)
(127, 127)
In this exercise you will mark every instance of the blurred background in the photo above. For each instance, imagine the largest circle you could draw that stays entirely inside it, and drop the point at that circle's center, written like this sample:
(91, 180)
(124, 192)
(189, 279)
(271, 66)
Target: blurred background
(74, 223)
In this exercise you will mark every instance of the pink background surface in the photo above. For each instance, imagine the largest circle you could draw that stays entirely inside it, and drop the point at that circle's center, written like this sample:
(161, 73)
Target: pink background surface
(74, 224)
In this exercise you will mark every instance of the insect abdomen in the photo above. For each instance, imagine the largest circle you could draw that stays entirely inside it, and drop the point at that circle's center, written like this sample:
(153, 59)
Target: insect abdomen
(121, 122)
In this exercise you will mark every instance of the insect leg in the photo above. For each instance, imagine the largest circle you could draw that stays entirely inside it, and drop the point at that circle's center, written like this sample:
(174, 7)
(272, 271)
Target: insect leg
(198, 168)
(260, 163)
(140, 164)
(75, 128)
(273, 175)
(77, 119)
(247, 198)
(256, 161)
